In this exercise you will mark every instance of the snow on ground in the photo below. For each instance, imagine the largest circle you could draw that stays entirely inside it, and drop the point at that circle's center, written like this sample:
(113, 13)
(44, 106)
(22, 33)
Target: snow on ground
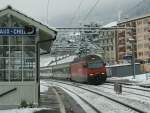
(24, 110)
(140, 79)
(66, 60)
(45, 60)
(105, 105)
(43, 88)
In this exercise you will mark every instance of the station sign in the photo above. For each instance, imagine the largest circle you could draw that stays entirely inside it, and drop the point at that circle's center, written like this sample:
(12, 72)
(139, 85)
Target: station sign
(16, 31)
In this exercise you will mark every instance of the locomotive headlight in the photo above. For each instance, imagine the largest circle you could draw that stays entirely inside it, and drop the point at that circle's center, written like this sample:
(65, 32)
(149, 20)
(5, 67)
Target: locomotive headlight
(91, 74)
(102, 73)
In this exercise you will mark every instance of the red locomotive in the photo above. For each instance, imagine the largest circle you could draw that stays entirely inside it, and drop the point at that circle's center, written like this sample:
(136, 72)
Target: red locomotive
(88, 69)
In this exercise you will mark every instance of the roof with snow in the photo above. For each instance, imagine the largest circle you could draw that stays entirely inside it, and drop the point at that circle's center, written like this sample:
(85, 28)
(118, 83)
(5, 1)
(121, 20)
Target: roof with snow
(44, 61)
(134, 18)
(112, 24)
(65, 60)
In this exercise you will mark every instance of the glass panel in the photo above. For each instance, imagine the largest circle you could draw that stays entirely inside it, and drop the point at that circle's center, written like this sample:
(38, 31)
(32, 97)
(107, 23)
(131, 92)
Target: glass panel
(95, 64)
(4, 51)
(29, 51)
(15, 63)
(4, 40)
(4, 75)
(15, 51)
(16, 41)
(4, 63)
(29, 63)
(15, 75)
(29, 40)
(28, 75)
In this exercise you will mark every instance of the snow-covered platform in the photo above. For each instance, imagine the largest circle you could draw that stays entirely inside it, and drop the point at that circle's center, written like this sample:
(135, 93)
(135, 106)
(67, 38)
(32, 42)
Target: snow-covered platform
(57, 100)
(142, 80)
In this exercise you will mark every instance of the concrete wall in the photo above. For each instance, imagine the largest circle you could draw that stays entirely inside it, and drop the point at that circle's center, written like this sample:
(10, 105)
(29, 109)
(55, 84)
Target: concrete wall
(123, 70)
(25, 91)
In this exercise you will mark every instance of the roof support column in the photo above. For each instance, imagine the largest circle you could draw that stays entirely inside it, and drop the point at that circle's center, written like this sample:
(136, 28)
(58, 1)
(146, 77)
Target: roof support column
(37, 77)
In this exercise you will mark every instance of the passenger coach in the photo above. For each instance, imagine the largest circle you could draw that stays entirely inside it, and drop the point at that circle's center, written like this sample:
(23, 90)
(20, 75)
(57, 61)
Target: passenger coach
(88, 69)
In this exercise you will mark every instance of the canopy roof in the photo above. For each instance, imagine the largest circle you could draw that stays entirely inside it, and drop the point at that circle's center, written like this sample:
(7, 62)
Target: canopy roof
(46, 34)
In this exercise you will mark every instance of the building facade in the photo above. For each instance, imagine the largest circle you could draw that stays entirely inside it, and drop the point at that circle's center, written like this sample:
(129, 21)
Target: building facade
(106, 42)
(125, 32)
(139, 30)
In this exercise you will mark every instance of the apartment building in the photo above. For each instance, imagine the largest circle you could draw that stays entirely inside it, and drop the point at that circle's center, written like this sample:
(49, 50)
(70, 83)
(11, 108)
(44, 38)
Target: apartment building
(106, 42)
(139, 30)
(126, 32)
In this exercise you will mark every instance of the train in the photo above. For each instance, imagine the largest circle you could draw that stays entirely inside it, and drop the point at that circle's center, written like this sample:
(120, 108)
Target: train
(89, 69)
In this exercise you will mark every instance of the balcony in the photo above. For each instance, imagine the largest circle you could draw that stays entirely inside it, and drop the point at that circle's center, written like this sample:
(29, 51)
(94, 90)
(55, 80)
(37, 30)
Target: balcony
(122, 34)
(122, 49)
(121, 42)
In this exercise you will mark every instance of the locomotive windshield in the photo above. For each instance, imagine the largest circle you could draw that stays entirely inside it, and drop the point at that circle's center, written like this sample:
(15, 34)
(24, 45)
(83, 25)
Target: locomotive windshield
(95, 64)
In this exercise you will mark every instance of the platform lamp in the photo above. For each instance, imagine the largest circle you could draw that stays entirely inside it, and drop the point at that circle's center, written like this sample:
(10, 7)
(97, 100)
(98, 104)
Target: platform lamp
(132, 41)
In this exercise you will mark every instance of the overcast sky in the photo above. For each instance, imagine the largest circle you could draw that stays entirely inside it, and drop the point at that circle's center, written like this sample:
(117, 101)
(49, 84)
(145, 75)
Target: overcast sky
(68, 12)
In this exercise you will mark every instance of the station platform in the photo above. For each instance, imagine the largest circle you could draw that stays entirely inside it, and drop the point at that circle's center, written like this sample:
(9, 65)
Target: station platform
(58, 101)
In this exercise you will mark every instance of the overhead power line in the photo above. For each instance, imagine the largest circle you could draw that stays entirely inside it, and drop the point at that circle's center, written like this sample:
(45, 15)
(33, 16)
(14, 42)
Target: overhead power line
(76, 11)
(90, 11)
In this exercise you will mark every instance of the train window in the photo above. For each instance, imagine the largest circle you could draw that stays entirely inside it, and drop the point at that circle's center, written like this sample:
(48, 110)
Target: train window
(95, 64)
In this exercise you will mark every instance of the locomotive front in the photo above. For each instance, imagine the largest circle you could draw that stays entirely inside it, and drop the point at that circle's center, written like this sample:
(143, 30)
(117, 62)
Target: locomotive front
(89, 69)
(96, 70)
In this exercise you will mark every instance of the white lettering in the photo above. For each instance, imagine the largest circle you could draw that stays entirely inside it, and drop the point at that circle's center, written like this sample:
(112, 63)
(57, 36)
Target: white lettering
(4, 31)
(18, 32)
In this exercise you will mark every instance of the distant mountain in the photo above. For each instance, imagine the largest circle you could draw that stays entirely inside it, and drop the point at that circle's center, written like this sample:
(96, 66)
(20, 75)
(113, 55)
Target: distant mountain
(140, 9)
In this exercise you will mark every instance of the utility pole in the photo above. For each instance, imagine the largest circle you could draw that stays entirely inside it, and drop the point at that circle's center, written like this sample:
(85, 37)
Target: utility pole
(132, 41)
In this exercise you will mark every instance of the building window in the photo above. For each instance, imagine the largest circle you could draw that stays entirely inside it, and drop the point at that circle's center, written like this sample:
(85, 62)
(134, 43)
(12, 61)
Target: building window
(17, 58)
(4, 40)
(112, 48)
(147, 53)
(4, 75)
(139, 22)
(140, 45)
(16, 41)
(140, 53)
(4, 51)
(146, 45)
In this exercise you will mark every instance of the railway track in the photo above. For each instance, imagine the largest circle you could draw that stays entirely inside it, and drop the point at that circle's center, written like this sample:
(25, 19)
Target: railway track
(130, 92)
(84, 100)
(131, 107)
(94, 109)
(139, 92)
(141, 89)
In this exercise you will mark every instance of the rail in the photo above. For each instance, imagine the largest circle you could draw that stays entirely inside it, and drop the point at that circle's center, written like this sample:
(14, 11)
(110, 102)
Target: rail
(112, 99)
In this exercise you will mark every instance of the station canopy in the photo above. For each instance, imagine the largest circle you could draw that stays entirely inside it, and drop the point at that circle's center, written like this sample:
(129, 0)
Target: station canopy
(46, 35)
